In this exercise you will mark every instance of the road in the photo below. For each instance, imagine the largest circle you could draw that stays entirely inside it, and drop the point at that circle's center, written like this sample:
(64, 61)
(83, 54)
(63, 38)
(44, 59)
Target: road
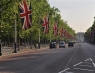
(77, 59)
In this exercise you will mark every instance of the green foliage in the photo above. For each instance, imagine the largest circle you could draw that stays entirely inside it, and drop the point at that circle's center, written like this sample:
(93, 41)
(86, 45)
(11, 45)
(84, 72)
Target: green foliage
(39, 9)
(90, 33)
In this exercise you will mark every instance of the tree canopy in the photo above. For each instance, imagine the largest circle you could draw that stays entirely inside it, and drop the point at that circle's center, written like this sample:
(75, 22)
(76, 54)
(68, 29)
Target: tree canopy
(90, 33)
(9, 12)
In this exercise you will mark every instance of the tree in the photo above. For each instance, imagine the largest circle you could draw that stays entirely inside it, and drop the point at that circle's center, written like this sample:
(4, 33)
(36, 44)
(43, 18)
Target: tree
(39, 9)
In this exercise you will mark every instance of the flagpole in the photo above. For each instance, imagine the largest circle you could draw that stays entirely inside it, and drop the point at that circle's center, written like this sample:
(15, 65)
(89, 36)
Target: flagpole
(50, 32)
(0, 32)
(39, 38)
(49, 24)
(0, 37)
(18, 32)
(39, 34)
(15, 43)
(15, 50)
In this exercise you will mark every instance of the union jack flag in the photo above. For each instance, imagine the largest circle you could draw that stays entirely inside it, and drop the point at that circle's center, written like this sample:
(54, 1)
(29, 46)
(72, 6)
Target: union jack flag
(55, 29)
(65, 33)
(45, 24)
(61, 32)
(25, 14)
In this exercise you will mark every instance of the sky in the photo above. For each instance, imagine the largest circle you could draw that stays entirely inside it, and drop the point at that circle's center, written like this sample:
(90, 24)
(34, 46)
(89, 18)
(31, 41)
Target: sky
(79, 14)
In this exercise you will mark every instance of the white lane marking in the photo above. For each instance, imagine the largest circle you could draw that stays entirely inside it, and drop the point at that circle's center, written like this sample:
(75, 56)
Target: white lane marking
(87, 60)
(64, 70)
(67, 64)
(86, 65)
(92, 62)
(91, 59)
(70, 59)
(84, 69)
(78, 64)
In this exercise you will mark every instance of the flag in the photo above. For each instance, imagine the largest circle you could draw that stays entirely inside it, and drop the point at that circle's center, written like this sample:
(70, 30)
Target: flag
(55, 29)
(45, 24)
(65, 33)
(25, 14)
(61, 32)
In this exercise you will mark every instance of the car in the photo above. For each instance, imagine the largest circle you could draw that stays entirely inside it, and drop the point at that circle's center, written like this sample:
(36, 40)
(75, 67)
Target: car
(70, 43)
(74, 42)
(61, 44)
(77, 41)
(53, 45)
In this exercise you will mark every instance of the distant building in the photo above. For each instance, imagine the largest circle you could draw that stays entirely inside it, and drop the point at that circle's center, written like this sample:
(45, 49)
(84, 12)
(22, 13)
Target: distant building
(80, 36)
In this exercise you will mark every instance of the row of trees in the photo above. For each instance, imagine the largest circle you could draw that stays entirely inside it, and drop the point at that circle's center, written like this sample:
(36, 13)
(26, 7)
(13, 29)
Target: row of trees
(90, 33)
(9, 12)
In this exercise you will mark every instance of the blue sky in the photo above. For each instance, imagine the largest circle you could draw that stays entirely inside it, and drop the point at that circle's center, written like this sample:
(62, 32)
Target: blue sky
(78, 13)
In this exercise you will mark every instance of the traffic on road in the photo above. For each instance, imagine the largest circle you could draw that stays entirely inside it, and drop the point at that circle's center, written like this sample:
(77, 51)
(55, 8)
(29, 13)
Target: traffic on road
(77, 59)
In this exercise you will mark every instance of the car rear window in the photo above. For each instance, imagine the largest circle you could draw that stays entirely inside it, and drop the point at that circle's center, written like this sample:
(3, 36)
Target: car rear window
(62, 42)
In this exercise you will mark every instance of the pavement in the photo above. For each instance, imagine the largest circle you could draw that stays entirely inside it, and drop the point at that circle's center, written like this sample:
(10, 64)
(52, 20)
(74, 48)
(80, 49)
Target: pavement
(10, 50)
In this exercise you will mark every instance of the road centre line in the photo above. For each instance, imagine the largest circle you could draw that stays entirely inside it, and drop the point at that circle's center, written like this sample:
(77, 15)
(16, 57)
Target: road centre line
(78, 64)
(68, 63)
(70, 59)
(84, 69)
(64, 70)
